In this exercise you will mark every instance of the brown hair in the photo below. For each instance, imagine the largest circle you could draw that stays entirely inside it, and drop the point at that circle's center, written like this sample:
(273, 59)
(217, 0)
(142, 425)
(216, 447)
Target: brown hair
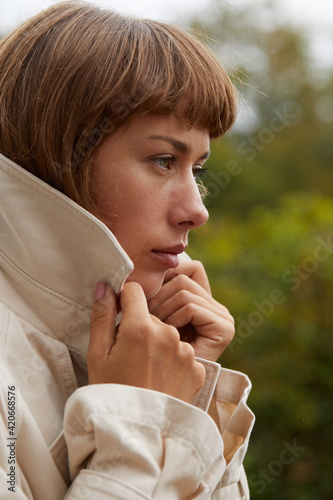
(72, 74)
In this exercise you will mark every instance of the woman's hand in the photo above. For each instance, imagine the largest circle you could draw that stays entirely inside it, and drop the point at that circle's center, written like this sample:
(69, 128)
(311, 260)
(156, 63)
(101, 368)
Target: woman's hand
(186, 303)
(143, 351)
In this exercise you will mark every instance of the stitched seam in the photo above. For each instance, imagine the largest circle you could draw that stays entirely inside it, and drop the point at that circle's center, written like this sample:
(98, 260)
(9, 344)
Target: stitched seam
(211, 386)
(69, 380)
(113, 479)
(39, 286)
(162, 429)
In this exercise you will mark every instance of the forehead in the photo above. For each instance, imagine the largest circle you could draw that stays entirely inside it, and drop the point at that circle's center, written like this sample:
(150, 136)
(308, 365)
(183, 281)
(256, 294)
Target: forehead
(162, 127)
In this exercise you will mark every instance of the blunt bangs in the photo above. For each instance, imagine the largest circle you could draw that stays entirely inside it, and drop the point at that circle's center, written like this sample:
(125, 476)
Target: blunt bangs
(167, 70)
(75, 72)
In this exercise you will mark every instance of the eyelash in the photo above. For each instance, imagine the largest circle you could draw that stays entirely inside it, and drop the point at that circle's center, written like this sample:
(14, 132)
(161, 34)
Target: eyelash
(198, 173)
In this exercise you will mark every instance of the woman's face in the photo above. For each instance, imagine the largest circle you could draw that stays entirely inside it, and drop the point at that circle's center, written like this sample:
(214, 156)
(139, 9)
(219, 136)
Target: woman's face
(144, 183)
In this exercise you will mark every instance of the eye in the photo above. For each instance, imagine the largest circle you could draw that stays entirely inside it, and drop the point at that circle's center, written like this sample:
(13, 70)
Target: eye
(165, 162)
(199, 173)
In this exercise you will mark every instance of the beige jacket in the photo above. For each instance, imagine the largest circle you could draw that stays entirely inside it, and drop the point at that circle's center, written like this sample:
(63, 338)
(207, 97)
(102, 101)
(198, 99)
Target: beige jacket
(60, 438)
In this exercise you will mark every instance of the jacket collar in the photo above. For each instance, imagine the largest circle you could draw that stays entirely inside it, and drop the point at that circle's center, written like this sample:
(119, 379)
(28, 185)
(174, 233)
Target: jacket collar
(54, 252)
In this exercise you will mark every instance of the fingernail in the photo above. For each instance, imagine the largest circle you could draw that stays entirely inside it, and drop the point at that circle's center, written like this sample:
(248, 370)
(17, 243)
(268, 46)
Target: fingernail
(100, 290)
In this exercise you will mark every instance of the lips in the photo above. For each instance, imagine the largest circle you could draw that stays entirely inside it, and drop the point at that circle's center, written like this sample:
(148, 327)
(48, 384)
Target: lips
(169, 256)
(175, 249)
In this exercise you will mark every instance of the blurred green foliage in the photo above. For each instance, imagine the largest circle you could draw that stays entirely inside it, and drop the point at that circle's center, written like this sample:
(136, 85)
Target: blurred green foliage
(274, 270)
(268, 247)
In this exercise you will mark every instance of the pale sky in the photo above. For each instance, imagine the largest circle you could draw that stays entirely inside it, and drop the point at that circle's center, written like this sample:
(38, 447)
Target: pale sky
(13, 11)
(315, 14)
(318, 13)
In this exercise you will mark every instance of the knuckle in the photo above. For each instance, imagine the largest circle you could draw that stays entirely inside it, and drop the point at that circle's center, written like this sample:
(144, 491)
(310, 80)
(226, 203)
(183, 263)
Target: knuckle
(198, 265)
(171, 336)
(229, 316)
(230, 333)
(143, 332)
(189, 308)
(181, 296)
(182, 280)
(187, 352)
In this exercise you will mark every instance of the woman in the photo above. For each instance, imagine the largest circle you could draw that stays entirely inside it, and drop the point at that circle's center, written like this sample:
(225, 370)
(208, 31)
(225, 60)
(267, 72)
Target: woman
(109, 333)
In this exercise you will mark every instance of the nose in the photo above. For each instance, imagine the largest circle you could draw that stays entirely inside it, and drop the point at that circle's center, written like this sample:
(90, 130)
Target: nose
(189, 211)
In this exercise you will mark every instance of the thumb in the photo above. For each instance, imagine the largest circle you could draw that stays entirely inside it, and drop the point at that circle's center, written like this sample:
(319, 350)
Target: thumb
(102, 322)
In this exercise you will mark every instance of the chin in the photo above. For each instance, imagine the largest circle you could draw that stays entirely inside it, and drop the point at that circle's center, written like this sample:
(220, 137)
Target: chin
(151, 285)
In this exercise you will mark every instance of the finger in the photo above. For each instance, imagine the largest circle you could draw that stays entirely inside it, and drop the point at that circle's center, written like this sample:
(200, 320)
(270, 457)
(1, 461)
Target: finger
(194, 270)
(133, 303)
(212, 334)
(183, 297)
(206, 323)
(102, 322)
(178, 285)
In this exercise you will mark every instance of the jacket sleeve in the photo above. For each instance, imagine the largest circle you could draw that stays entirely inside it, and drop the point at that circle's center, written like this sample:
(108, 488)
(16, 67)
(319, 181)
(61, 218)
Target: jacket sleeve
(235, 421)
(224, 395)
(131, 443)
(126, 442)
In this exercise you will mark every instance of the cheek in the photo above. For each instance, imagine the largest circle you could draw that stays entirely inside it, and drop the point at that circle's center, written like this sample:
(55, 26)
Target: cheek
(141, 208)
(113, 203)
(132, 206)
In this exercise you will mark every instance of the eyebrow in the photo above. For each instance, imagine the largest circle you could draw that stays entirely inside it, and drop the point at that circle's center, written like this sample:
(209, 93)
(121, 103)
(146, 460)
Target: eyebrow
(179, 145)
